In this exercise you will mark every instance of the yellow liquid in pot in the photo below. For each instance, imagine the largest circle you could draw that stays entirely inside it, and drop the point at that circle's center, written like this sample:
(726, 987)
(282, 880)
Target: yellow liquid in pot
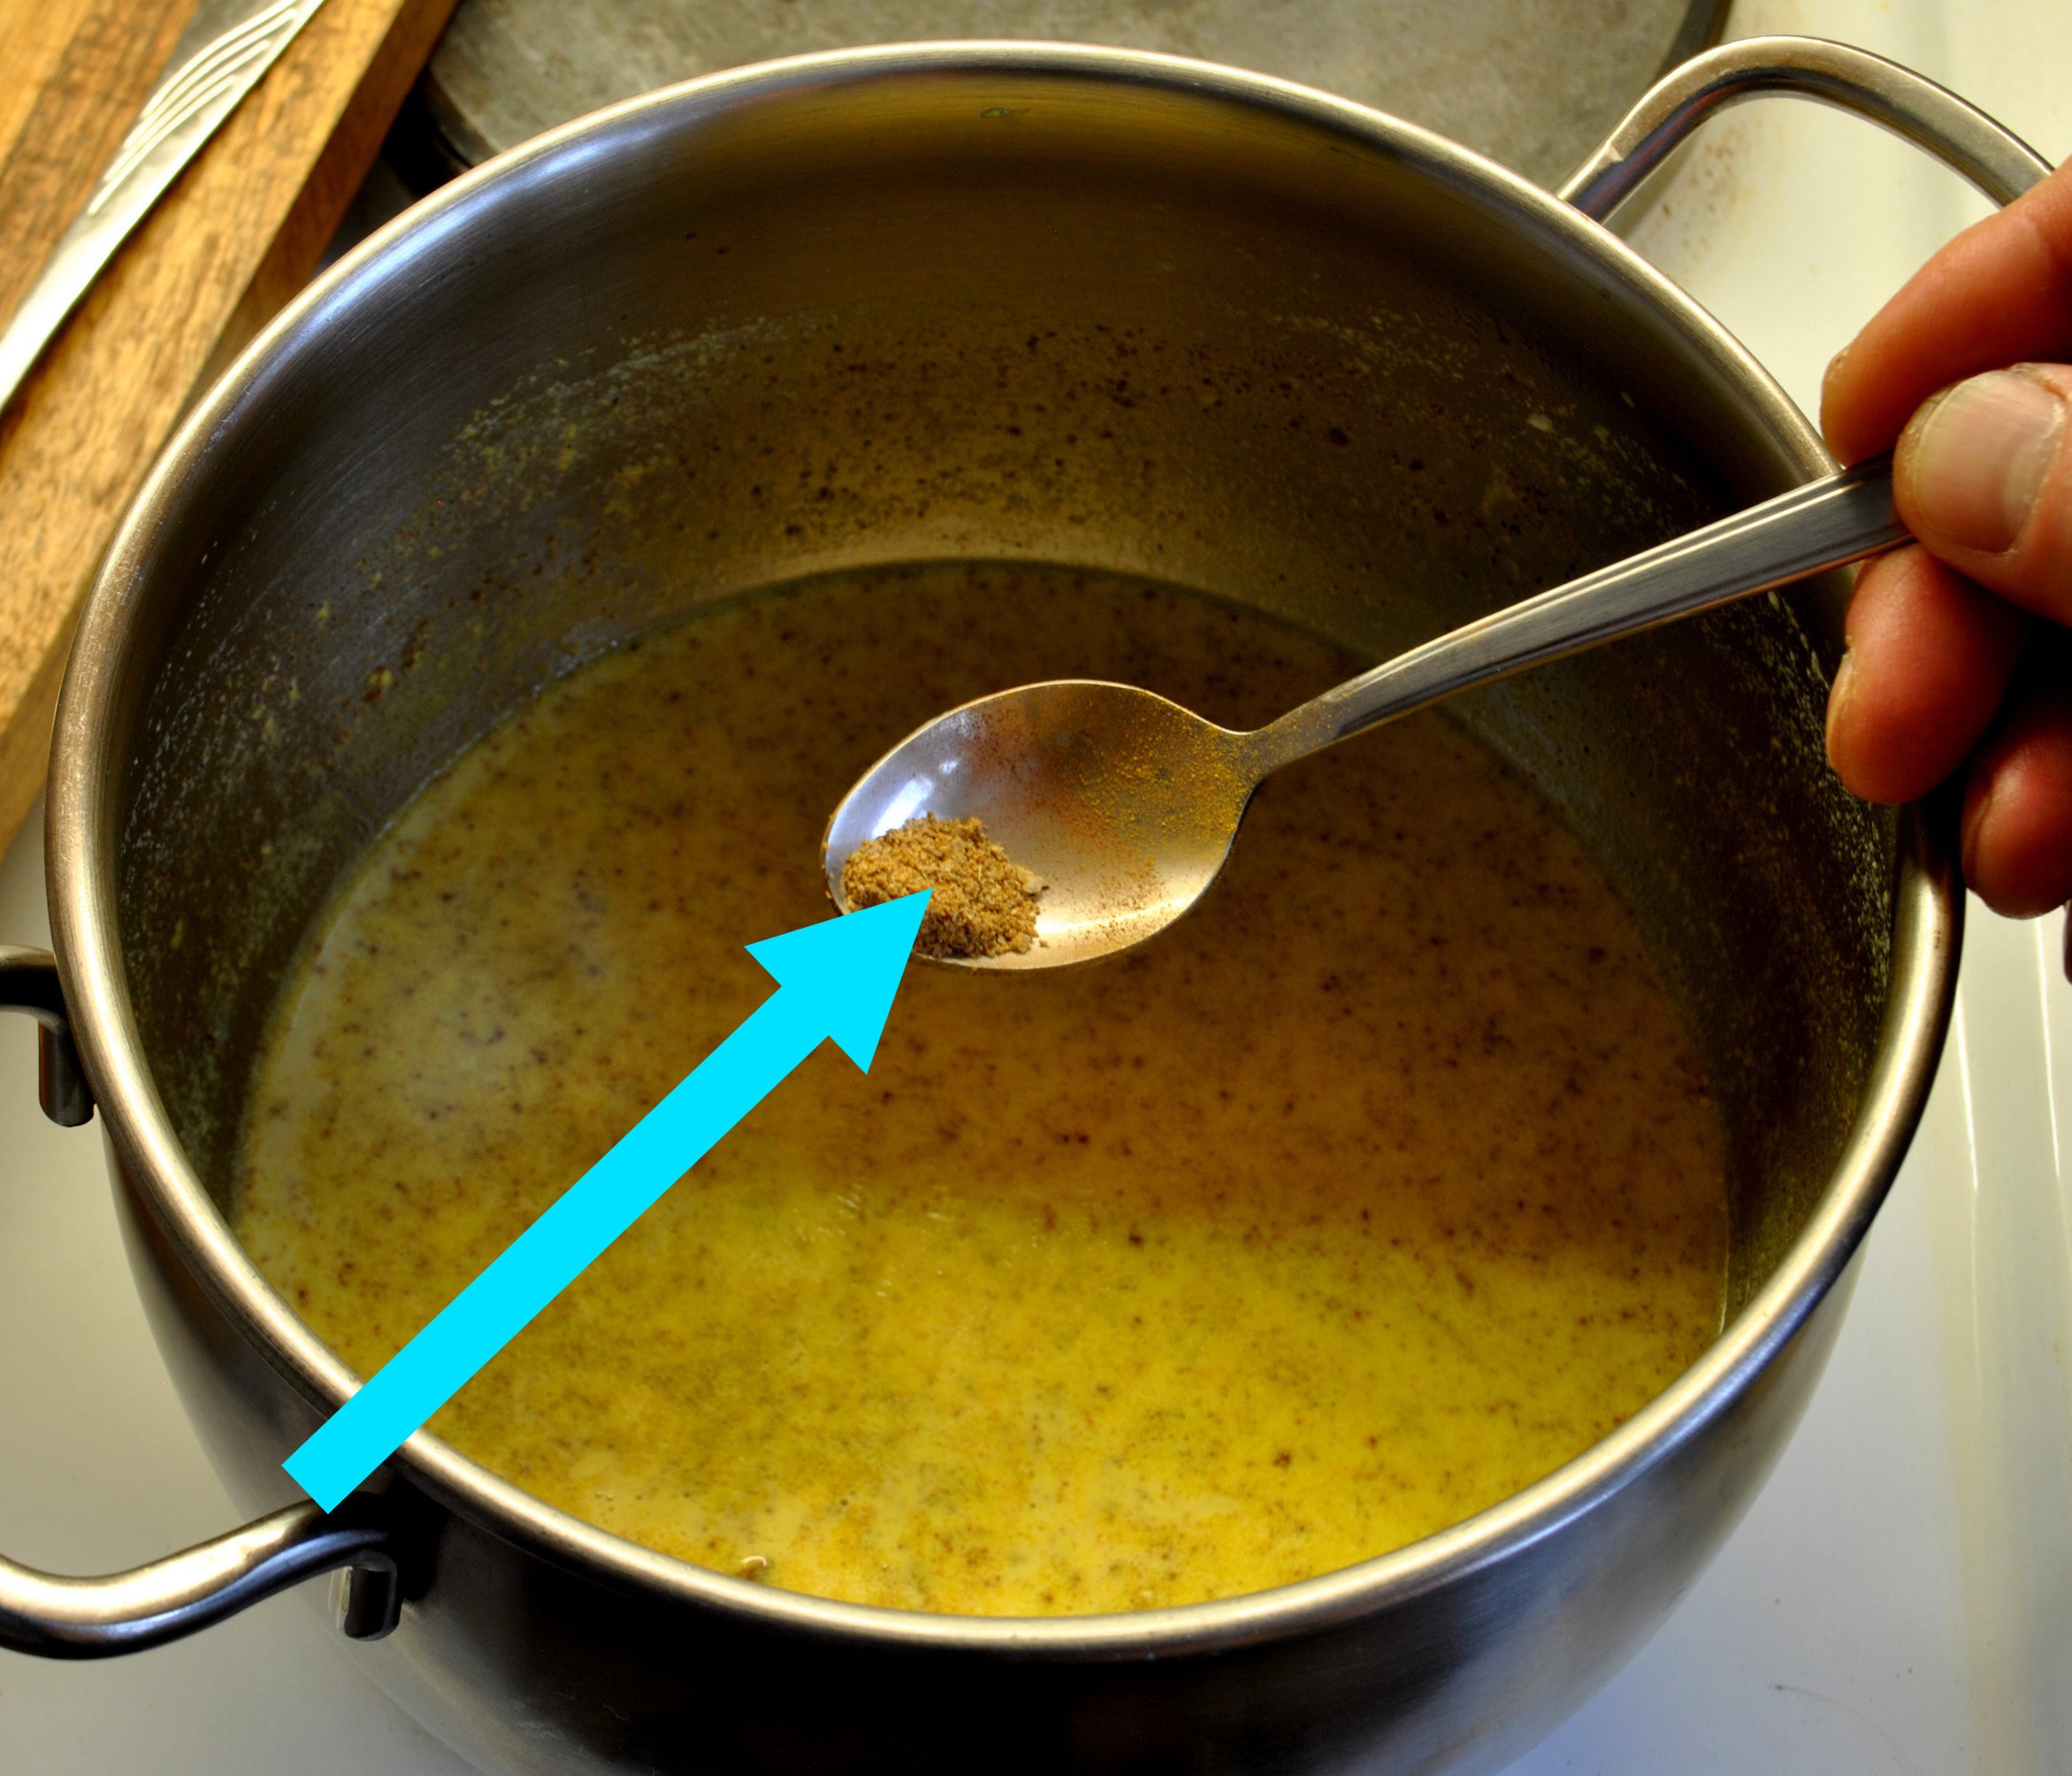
(1368, 1194)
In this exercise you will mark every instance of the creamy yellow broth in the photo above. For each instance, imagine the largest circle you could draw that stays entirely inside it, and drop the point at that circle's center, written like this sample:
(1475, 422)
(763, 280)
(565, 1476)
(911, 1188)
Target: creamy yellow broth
(1368, 1194)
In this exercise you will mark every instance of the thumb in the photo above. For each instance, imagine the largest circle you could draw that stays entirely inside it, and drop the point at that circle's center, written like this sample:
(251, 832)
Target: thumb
(1983, 475)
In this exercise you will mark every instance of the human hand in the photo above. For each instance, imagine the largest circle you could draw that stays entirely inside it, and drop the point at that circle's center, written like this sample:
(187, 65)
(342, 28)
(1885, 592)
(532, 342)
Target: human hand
(1959, 658)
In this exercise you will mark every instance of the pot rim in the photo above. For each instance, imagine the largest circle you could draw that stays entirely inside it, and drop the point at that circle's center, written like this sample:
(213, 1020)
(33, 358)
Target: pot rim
(82, 842)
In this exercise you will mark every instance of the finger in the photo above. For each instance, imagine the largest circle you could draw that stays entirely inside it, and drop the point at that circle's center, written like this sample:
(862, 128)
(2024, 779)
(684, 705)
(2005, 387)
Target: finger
(1983, 475)
(2018, 809)
(1930, 657)
(2000, 292)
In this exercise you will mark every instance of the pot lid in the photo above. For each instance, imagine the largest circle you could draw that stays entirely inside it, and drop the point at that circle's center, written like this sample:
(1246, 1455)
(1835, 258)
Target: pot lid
(1534, 86)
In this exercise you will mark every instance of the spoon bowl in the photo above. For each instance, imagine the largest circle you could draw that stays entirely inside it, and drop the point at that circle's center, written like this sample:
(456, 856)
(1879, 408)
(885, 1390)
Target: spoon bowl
(1121, 803)
(1124, 805)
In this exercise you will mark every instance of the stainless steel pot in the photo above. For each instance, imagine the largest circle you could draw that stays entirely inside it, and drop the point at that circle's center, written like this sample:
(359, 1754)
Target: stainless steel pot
(973, 300)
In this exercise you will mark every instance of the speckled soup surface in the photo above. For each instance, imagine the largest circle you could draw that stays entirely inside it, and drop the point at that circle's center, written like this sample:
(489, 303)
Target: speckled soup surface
(1371, 1192)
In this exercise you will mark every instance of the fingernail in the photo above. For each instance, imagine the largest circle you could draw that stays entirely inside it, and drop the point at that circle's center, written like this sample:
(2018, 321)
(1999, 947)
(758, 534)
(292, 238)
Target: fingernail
(1837, 695)
(1977, 805)
(1974, 459)
(1833, 370)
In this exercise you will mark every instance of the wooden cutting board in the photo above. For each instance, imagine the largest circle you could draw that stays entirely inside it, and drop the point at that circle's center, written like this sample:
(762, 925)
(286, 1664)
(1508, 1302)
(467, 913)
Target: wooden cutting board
(236, 236)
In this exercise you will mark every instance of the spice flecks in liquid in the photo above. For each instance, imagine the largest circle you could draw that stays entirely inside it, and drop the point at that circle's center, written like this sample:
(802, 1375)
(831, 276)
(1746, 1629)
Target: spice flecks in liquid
(1373, 1190)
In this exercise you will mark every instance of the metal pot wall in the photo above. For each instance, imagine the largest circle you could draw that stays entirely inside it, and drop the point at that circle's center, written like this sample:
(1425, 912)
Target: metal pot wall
(1000, 302)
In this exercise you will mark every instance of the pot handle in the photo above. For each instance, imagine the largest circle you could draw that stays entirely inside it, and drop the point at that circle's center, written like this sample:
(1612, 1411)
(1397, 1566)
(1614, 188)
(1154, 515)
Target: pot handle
(84, 1619)
(28, 983)
(88, 1618)
(1960, 135)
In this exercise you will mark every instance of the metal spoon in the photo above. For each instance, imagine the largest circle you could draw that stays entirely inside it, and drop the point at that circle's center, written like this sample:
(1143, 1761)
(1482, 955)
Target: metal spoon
(1125, 804)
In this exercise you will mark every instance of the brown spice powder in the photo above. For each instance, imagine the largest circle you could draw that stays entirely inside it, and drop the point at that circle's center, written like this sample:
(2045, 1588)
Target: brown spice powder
(984, 905)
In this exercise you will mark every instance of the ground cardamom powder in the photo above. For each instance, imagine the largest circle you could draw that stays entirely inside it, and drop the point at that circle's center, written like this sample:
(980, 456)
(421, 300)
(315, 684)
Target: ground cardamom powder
(985, 904)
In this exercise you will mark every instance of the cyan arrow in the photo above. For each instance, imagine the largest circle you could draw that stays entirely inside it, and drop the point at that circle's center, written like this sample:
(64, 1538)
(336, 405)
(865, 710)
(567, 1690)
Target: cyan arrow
(834, 979)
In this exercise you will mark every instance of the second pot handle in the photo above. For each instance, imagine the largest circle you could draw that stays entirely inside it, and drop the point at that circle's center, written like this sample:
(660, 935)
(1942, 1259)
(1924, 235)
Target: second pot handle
(82, 1618)
(1960, 135)
(28, 983)
(124, 1613)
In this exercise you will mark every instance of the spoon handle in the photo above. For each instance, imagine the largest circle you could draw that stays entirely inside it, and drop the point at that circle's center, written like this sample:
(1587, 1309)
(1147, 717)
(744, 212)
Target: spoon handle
(1823, 524)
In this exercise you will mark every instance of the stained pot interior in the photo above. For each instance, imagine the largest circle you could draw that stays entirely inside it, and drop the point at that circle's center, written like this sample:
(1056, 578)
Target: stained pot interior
(715, 344)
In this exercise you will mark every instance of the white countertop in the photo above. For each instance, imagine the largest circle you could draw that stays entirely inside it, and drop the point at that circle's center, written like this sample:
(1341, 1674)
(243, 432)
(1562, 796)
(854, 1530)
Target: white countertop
(1895, 1601)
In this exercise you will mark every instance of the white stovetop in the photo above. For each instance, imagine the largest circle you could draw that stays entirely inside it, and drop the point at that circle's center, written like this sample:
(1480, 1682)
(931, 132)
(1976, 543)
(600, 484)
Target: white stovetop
(1896, 1600)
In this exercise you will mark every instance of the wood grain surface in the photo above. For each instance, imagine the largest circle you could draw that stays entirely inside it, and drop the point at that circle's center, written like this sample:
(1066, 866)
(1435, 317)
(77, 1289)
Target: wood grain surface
(235, 237)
